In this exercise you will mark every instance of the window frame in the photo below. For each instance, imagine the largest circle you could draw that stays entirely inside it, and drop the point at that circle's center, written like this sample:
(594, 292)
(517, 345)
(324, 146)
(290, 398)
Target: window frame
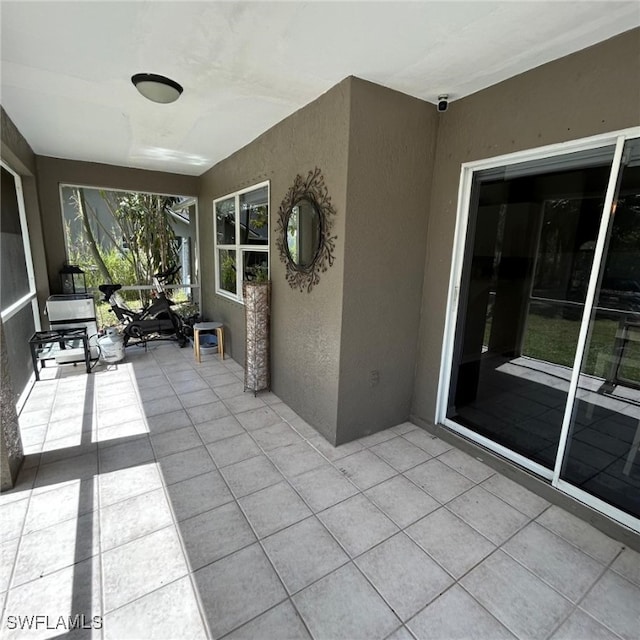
(237, 248)
(30, 297)
(190, 200)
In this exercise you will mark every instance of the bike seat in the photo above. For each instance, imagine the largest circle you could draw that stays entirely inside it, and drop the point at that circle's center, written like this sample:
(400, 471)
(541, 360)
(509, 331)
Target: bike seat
(109, 290)
(165, 275)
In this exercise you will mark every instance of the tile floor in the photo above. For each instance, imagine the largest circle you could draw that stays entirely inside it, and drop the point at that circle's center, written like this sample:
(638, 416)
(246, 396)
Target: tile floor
(158, 495)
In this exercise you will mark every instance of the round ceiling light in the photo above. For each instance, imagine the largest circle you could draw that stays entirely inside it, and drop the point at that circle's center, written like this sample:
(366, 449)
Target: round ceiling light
(157, 88)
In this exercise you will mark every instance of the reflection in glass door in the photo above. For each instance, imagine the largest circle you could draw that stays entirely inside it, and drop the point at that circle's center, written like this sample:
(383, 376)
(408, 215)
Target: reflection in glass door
(529, 253)
(543, 363)
(603, 449)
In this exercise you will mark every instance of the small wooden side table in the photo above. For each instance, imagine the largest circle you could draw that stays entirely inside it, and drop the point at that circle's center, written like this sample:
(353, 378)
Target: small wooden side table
(205, 327)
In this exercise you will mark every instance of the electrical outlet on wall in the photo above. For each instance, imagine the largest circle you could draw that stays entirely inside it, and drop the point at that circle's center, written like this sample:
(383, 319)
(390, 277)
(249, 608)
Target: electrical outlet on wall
(374, 377)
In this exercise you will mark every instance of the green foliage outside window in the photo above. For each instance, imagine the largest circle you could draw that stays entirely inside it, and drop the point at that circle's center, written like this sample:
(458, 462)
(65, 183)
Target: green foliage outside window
(137, 239)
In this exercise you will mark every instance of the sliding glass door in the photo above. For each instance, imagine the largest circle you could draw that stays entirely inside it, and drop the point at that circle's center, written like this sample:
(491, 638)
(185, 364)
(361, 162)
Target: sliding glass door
(543, 361)
(602, 455)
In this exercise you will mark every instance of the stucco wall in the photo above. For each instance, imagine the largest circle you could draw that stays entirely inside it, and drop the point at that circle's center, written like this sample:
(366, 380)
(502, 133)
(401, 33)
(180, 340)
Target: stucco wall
(305, 327)
(391, 147)
(594, 91)
(11, 451)
(52, 172)
(15, 149)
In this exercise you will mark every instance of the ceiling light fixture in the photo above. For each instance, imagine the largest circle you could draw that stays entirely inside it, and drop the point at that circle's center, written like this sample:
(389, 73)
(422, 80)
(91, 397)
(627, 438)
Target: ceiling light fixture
(156, 88)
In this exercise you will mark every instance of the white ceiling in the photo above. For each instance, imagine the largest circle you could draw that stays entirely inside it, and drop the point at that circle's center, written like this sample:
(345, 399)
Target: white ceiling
(244, 66)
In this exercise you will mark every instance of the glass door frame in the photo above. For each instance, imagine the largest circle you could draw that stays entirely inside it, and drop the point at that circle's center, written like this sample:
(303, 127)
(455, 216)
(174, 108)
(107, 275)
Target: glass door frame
(468, 169)
(31, 297)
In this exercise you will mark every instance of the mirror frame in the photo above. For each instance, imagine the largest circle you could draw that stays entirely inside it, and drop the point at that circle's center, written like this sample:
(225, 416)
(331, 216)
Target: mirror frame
(314, 190)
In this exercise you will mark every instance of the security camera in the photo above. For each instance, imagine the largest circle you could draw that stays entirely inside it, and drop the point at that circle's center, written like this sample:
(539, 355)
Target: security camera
(443, 103)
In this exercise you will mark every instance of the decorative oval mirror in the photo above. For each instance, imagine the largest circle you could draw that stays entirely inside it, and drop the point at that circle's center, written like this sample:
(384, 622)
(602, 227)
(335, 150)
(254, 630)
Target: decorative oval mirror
(303, 233)
(304, 223)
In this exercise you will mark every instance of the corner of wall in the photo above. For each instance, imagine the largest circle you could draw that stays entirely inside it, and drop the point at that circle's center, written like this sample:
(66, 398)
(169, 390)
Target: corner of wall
(306, 329)
(391, 148)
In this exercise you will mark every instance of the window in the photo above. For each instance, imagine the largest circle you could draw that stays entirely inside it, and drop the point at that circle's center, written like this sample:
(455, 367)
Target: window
(127, 236)
(241, 225)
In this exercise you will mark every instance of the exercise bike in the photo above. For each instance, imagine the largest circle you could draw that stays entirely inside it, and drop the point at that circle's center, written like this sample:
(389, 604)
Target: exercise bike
(157, 321)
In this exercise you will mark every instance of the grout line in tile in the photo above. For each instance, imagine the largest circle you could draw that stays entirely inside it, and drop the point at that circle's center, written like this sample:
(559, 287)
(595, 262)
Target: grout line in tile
(350, 560)
(315, 514)
(388, 463)
(144, 595)
(187, 561)
(489, 613)
(500, 548)
(98, 526)
(469, 570)
(186, 555)
(176, 525)
(600, 622)
(46, 573)
(580, 600)
(573, 544)
(15, 561)
(497, 547)
(21, 536)
(476, 482)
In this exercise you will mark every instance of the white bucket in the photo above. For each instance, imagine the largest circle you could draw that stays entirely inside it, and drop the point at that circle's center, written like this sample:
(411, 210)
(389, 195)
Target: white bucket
(111, 347)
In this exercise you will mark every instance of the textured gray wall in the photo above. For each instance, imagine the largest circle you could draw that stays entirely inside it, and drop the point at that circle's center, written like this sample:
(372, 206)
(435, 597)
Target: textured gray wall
(53, 171)
(392, 142)
(15, 149)
(11, 452)
(590, 92)
(305, 327)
